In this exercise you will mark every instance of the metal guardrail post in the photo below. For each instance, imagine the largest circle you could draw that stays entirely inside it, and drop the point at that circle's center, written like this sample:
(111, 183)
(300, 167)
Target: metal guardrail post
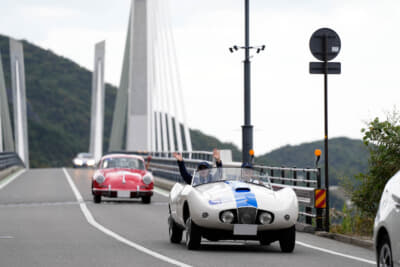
(319, 211)
(308, 209)
(294, 176)
(283, 175)
(272, 175)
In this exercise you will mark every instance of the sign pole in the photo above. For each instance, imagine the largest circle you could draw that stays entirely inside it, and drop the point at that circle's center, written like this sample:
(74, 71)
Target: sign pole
(325, 45)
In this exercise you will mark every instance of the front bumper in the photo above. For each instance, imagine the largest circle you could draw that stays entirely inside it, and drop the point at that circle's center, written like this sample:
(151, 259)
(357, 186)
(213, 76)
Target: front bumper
(119, 193)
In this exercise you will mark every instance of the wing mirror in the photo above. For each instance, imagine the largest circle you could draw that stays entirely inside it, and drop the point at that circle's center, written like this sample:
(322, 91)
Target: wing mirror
(148, 162)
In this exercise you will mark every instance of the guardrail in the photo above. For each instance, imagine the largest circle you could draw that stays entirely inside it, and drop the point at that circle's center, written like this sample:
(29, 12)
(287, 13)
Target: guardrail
(10, 159)
(303, 181)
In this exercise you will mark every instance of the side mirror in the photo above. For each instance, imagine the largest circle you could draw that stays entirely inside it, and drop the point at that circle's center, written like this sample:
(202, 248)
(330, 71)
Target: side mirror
(148, 162)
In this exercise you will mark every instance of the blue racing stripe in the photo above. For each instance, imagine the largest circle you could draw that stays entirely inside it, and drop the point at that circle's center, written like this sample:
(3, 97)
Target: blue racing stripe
(244, 198)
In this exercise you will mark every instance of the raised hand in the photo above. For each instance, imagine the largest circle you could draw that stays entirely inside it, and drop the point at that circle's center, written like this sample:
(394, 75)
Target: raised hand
(178, 156)
(216, 155)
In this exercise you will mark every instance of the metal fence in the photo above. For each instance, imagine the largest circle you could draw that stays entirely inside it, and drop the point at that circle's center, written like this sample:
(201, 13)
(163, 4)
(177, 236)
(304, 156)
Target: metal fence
(10, 159)
(303, 181)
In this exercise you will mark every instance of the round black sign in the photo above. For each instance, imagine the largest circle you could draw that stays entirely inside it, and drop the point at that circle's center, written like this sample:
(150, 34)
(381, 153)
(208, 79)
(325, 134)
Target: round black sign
(325, 44)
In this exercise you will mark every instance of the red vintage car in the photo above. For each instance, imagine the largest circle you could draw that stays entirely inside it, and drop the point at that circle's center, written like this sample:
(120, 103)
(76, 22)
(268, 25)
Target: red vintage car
(122, 176)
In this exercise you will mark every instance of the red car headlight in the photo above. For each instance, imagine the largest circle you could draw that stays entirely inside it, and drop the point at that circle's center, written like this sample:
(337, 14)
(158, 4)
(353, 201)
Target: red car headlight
(100, 179)
(147, 179)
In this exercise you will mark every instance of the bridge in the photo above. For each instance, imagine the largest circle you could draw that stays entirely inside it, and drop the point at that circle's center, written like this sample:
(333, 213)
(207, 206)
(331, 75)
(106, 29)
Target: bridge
(47, 217)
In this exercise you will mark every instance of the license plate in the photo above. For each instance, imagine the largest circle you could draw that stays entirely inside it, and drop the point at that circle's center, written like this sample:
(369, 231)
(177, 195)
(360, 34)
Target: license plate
(123, 194)
(245, 229)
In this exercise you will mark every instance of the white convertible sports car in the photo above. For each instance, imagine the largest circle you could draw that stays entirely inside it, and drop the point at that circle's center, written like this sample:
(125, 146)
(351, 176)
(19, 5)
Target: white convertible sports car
(232, 204)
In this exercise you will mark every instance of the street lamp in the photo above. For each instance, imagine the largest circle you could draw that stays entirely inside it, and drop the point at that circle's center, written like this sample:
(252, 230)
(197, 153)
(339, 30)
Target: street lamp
(247, 128)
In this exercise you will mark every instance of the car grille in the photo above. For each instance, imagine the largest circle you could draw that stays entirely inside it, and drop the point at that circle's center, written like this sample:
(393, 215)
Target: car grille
(247, 215)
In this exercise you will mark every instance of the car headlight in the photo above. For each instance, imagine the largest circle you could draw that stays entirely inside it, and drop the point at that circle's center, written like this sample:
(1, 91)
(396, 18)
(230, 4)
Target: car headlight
(147, 179)
(100, 179)
(78, 161)
(90, 162)
(265, 218)
(227, 216)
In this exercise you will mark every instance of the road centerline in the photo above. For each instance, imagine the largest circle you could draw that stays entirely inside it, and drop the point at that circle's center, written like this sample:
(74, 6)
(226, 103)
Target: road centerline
(90, 219)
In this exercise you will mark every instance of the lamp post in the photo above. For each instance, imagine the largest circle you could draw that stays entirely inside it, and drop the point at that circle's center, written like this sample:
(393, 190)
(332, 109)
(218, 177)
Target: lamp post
(247, 128)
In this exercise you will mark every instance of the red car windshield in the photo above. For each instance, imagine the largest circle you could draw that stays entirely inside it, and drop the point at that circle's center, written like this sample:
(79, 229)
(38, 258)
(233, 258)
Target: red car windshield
(123, 163)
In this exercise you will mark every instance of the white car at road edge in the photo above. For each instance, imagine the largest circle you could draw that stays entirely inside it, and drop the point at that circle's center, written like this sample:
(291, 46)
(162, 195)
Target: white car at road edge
(387, 225)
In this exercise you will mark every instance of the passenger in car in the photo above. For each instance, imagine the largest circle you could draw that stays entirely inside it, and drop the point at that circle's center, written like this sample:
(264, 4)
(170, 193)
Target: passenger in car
(203, 168)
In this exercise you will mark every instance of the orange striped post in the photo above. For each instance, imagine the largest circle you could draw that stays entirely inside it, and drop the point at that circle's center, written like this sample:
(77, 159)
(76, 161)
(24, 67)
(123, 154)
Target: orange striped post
(320, 198)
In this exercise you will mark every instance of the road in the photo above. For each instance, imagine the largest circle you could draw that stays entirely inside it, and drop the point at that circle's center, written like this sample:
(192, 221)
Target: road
(47, 218)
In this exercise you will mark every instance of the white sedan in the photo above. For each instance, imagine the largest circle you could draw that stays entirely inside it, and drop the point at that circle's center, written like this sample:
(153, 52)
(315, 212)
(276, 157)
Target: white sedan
(232, 204)
(387, 225)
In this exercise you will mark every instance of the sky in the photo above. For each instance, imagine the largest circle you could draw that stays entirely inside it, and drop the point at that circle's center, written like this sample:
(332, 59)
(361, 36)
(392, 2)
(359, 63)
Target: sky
(287, 101)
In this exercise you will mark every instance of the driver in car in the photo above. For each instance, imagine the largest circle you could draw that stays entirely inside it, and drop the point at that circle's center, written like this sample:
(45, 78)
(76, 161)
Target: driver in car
(203, 169)
(248, 173)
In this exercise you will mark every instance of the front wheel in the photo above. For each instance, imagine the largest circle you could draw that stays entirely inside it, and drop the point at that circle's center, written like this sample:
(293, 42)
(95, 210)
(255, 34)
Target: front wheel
(193, 235)
(96, 199)
(175, 233)
(146, 199)
(385, 253)
(287, 239)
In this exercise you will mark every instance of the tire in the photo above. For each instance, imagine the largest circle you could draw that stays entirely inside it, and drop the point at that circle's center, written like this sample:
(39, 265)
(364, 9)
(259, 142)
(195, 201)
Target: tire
(97, 199)
(193, 235)
(175, 233)
(146, 199)
(385, 256)
(287, 239)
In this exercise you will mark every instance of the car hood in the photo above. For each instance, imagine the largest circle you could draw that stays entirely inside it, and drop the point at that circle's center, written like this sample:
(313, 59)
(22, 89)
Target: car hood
(128, 174)
(238, 193)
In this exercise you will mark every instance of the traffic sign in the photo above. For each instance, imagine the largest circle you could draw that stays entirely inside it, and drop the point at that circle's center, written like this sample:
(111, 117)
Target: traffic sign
(319, 67)
(325, 44)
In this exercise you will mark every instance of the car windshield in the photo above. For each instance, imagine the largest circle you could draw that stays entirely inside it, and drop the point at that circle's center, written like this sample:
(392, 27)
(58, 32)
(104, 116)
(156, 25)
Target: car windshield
(123, 162)
(245, 175)
(85, 155)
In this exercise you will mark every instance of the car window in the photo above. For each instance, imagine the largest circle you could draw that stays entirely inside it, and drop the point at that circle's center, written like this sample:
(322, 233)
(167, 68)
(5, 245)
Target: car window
(85, 155)
(122, 162)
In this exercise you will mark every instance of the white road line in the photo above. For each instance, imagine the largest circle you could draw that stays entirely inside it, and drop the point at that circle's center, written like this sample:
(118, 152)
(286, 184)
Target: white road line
(11, 178)
(116, 236)
(160, 191)
(6, 237)
(336, 253)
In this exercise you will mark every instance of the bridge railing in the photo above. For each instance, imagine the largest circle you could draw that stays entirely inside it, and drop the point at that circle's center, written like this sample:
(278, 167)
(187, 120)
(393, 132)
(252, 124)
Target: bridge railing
(9, 159)
(303, 181)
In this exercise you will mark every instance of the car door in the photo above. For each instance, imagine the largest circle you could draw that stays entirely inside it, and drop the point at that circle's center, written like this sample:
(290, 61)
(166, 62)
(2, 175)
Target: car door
(395, 218)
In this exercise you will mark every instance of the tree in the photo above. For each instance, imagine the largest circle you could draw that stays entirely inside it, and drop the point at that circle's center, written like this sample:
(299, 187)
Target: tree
(383, 141)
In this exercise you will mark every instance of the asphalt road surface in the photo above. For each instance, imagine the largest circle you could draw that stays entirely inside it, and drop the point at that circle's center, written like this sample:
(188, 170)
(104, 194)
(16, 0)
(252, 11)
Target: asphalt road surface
(48, 218)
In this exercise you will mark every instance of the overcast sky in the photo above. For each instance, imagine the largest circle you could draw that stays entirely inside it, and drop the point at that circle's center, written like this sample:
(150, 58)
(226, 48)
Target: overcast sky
(287, 101)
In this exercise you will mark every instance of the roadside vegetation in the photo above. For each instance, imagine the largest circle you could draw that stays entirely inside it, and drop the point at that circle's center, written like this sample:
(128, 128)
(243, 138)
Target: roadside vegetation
(382, 138)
